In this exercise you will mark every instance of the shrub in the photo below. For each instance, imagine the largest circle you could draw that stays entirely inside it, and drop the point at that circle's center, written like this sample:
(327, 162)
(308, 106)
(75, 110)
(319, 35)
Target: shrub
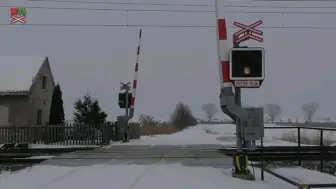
(182, 117)
(149, 126)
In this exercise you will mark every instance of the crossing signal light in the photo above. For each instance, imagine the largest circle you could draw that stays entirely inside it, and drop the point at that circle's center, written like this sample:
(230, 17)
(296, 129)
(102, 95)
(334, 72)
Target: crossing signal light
(247, 63)
(122, 100)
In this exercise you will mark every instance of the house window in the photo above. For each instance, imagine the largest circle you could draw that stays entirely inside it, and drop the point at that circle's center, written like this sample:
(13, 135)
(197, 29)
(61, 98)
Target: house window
(39, 117)
(44, 82)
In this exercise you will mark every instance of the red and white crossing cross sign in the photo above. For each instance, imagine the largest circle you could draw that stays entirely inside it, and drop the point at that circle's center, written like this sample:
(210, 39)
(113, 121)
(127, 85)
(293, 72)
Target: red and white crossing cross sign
(18, 15)
(21, 19)
(248, 32)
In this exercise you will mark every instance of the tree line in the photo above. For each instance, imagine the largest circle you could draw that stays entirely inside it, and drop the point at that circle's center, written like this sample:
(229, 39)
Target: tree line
(88, 111)
(309, 109)
(271, 110)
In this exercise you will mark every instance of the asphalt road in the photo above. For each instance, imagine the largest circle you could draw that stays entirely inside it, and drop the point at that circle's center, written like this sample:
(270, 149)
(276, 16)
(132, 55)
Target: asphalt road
(189, 155)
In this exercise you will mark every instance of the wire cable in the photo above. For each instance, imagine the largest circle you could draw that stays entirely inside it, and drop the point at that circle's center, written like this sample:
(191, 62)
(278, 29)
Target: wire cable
(172, 10)
(279, 6)
(120, 3)
(295, 0)
(107, 9)
(162, 26)
(185, 5)
(110, 25)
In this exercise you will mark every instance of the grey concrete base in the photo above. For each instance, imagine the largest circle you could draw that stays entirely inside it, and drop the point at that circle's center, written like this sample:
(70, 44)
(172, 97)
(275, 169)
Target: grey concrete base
(244, 176)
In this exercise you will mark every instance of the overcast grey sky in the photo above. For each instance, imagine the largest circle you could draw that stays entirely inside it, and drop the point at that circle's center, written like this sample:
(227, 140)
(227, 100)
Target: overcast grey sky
(176, 64)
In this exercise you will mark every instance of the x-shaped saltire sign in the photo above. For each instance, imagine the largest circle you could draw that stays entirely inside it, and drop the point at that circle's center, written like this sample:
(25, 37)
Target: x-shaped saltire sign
(248, 31)
(21, 19)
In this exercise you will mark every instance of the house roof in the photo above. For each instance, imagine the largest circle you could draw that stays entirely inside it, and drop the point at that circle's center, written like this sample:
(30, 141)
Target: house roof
(17, 72)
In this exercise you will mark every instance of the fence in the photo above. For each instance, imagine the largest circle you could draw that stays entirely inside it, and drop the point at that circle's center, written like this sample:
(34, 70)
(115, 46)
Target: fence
(320, 146)
(319, 138)
(69, 134)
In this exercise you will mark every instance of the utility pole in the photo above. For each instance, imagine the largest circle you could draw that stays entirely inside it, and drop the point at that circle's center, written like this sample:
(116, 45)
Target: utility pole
(126, 87)
(238, 103)
(240, 67)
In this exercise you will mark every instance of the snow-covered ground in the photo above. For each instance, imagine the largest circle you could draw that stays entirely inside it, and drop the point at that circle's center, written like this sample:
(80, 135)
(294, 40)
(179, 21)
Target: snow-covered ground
(58, 146)
(165, 176)
(161, 174)
(302, 175)
(220, 134)
(61, 146)
(38, 157)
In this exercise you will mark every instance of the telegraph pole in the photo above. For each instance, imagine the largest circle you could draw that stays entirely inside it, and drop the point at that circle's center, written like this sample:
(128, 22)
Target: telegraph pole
(242, 68)
(126, 87)
(238, 103)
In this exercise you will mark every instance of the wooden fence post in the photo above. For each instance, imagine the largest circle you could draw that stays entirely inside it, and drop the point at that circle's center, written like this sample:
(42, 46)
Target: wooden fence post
(46, 134)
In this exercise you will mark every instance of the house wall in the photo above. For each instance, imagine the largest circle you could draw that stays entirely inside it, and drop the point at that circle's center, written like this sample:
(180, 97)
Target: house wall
(40, 98)
(22, 109)
(14, 110)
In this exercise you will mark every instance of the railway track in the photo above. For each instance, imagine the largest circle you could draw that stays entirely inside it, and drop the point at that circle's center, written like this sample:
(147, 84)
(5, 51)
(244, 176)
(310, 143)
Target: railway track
(274, 153)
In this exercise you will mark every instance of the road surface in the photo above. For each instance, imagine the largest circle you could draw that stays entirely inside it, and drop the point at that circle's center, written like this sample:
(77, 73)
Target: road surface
(189, 155)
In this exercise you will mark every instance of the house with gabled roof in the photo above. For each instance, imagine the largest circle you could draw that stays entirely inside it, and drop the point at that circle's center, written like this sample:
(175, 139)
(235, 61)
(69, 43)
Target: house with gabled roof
(26, 87)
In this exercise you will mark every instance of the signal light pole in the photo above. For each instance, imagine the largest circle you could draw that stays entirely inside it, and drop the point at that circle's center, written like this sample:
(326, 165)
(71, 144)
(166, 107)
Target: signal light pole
(127, 88)
(239, 158)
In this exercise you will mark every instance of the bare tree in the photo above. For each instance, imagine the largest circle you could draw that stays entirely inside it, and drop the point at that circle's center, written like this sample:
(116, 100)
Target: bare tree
(273, 110)
(210, 110)
(309, 110)
(146, 120)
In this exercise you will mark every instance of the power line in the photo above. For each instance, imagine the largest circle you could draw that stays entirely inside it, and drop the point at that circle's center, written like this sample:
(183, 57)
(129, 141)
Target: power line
(297, 0)
(279, 6)
(107, 9)
(280, 12)
(162, 26)
(121, 3)
(171, 10)
(184, 5)
(109, 25)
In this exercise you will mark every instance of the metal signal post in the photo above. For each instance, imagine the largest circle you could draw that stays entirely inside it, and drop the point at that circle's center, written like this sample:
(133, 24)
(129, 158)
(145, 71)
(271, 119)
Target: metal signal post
(247, 67)
(127, 88)
(238, 103)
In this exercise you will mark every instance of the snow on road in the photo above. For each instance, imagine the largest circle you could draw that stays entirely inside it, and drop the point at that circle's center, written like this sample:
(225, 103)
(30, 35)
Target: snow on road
(165, 176)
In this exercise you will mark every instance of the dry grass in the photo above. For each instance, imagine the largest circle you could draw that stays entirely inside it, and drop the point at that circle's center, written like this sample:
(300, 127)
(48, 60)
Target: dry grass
(310, 139)
(149, 126)
(157, 129)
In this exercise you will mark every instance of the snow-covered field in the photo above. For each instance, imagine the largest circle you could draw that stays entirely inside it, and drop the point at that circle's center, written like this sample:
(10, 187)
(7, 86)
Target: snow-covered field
(221, 134)
(161, 175)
